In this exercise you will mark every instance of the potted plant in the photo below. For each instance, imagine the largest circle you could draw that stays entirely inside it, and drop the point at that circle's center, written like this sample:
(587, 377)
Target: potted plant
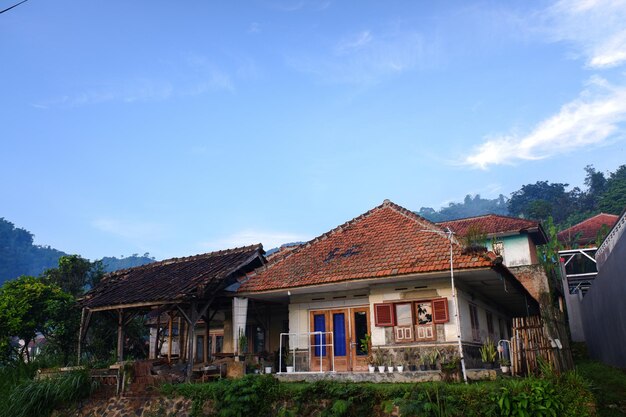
(379, 360)
(504, 365)
(410, 359)
(488, 353)
(423, 361)
(389, 365)
(366, 347)
(400, 366)
(450, 368)
(432, 359)
(289, 362)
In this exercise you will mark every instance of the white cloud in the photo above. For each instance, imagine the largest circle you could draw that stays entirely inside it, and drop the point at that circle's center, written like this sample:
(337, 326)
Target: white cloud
(595, 27)
(591, 119)
(269, 239)
(297, 5)
(254, 27)
(362, 58)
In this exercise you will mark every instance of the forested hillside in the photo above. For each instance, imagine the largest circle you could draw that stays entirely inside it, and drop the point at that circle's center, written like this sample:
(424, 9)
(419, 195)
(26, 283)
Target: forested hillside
(600, 193)
(19, 256)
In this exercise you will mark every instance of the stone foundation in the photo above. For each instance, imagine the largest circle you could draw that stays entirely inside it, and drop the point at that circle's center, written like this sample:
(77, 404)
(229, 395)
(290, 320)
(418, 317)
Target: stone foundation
(389, 377)
(130, 407)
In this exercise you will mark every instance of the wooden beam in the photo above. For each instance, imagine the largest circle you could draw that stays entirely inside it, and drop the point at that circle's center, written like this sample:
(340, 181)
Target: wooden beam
(169, 342)
(80, 335)
(133, 305)
(191, 340)
(120, 335)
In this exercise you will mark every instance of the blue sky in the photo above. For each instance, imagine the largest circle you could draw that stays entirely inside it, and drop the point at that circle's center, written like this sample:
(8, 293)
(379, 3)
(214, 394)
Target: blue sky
(177, 128)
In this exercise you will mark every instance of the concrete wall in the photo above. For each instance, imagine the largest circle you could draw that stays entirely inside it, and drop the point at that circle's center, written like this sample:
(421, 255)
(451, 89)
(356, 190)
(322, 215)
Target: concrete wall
(533, 278)
(518, 250)
(604, 309)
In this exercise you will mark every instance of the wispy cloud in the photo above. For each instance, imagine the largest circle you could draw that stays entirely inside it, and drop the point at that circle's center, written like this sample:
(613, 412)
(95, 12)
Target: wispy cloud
(366, 57)
(269, 239)
(254, 27)
(131, 230)
(596, 29)
(594, 117)
(296, 5)
(193, 75)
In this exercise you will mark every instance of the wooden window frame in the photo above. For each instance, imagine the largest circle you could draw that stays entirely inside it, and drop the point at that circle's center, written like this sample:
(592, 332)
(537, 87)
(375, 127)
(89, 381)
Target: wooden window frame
(404, 333)
(392, 315)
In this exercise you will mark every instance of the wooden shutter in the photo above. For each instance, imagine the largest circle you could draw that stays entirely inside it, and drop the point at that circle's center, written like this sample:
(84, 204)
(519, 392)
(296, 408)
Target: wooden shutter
(440, 311)
(383, 314)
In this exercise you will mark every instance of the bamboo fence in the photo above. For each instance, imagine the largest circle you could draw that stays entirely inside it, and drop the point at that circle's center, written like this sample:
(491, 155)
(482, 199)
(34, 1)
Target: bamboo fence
(540, 341)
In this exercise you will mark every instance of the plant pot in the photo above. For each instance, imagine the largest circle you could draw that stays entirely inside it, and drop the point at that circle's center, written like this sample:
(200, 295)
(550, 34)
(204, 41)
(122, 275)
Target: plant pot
(381, 369)
(400, 368)
(488, 365)
(390, 369)
(268, 369)
(433, 366)
(422, 367)
(289, 369)
(505, 369)
(371, 368)
(412, 368)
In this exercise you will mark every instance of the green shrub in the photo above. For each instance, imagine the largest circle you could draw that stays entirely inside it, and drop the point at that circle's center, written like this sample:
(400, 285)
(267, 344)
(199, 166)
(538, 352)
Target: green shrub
(38, 398)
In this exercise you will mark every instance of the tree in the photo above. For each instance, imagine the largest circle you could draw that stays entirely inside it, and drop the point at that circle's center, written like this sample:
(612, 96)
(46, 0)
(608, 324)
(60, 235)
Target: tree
(28, 306)
(613, 199)
(541, 200)
(75, 274)
(471, 206)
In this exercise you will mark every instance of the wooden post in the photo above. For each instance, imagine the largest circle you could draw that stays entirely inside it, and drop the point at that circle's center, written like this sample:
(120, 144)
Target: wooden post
(120, 335)
(191, 340)
(169, 341)
(156, 341)
(80, 335)
(207, 334)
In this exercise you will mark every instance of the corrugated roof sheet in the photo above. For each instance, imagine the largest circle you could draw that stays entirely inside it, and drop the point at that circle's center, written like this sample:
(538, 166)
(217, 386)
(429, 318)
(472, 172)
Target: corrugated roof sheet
(172, 279)
(388, 240)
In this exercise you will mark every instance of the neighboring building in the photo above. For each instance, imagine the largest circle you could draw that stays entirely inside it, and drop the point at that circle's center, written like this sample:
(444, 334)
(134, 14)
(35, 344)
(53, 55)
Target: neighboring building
(387, 273)
(602, 310)
(516, 241)
(578, 264)
(588, 232)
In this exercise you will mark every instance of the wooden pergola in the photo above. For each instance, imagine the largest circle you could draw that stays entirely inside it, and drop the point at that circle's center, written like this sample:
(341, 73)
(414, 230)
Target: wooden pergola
(188, 287)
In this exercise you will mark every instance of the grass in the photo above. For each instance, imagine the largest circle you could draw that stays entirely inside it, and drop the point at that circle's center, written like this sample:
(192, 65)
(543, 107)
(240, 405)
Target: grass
(608, 386)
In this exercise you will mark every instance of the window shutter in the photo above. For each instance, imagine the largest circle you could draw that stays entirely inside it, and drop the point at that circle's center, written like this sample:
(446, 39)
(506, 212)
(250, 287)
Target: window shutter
(440, 311)
(383, 314)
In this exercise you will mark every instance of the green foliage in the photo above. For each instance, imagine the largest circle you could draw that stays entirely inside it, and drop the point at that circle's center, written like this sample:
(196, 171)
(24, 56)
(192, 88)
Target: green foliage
(252, 395)
(38, 398)
(613, 199)
(488, 351)
(541, 200)
(29, 306)
(565, 396)
(75, 274)
(608, 386)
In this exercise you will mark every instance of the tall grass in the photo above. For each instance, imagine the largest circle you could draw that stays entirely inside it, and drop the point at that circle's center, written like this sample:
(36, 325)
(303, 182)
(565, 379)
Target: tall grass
(37, 398)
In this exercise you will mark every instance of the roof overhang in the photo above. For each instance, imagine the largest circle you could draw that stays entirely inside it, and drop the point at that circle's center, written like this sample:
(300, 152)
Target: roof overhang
(495, 284)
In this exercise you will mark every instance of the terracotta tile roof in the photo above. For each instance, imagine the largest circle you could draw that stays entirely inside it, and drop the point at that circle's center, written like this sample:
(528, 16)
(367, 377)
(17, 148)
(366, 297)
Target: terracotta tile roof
(388, 240)
(174, 279)
(586, 232)
(491, 224)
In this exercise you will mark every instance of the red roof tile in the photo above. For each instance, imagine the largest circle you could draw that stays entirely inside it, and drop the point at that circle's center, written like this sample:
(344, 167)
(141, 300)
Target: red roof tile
(586, 232)
(494, 224)
(388, 240)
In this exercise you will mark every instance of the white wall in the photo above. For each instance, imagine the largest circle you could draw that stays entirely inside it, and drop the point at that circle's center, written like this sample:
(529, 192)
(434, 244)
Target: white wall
(517, 250)
(482, 307)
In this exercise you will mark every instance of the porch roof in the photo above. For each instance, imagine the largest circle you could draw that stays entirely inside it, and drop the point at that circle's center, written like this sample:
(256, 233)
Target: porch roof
(173, 280)
(387, 241)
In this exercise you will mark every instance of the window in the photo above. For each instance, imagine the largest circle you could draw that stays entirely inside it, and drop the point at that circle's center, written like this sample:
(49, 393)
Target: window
(424, 329)
(403, 330)
(200, 348)
(256, 339)
(492, 334)
(219, 343)
(474, 320)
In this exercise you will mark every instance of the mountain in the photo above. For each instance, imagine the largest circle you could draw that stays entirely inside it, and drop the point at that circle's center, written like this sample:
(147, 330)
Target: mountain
(111, 263)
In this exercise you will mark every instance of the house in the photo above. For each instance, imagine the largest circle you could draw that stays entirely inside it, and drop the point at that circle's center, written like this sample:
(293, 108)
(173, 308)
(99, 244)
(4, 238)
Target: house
(578, 264)
(387, 273)
(605, 299)
(516, 241)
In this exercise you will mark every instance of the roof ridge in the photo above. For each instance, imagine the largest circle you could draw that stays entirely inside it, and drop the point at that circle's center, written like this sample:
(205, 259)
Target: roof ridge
(386, 203)
(185, 259)
(486, 215)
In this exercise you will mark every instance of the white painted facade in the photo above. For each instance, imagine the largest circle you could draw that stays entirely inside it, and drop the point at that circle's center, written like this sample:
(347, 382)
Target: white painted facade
(518, 250)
